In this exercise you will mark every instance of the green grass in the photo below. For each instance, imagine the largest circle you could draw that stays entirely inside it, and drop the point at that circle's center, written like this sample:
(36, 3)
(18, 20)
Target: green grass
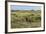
(25, 19)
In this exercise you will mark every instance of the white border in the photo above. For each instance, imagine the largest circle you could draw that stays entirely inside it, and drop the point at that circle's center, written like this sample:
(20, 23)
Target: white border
(24, 29)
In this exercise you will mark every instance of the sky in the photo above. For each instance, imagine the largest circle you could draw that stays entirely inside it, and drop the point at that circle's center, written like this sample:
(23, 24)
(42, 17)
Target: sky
(22, 7)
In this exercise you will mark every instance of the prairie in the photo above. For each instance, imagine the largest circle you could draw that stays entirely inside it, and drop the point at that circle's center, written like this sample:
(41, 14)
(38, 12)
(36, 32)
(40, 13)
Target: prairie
(25, 18)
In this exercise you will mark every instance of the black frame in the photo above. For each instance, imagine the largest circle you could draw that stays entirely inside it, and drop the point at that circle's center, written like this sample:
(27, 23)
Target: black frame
(6, 22)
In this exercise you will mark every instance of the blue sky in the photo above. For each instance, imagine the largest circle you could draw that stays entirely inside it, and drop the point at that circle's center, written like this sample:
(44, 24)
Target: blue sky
(20, 7)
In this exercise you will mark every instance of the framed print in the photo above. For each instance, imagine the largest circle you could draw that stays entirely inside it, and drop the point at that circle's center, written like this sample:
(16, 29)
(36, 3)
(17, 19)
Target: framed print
(24, 16)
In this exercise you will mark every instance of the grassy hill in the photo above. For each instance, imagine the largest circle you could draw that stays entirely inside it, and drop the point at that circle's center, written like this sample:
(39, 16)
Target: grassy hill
(25, 19)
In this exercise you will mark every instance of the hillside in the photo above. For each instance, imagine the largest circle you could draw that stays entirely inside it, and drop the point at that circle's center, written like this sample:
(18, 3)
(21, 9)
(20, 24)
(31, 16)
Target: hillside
(25, 18)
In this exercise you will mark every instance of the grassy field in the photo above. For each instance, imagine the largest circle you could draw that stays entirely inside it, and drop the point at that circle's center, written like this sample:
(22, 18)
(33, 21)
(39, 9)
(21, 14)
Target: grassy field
(25, 18)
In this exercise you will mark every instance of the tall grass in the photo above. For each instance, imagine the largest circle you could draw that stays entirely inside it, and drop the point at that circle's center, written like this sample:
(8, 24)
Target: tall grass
(25, 19)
